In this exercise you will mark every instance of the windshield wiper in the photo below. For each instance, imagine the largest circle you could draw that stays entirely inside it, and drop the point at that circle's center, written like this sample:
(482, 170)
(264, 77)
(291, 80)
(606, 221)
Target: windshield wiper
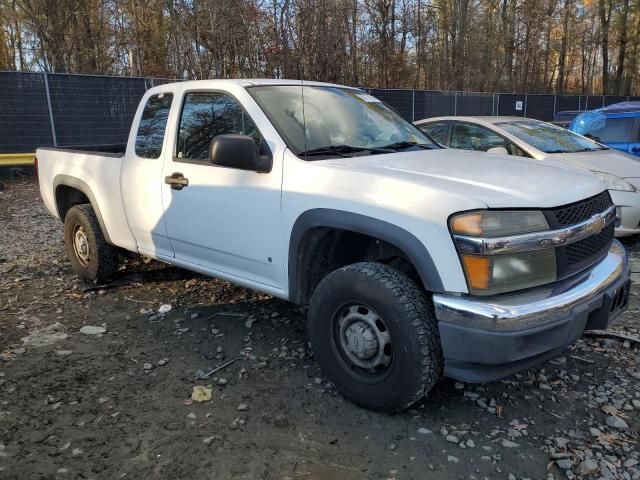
(402, 145)
(341, 150)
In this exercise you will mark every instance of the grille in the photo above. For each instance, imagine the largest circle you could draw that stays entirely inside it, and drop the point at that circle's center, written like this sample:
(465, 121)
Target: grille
(580, 211)
(583, 254)
(590, 248)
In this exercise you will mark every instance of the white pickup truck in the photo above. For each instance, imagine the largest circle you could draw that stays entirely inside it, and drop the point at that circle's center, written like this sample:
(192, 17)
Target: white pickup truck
(416, 262)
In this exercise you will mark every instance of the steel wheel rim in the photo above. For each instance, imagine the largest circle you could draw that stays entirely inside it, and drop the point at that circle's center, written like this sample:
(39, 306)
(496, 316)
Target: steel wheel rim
(81, 245)
(364, 340)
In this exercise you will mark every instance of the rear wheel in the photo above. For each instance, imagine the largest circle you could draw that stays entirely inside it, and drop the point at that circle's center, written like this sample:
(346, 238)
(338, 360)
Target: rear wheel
(91, 256)
(374, 334)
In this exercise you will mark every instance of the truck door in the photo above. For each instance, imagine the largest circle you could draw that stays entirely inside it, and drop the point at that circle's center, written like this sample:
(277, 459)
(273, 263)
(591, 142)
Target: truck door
(141, 177)
(224, 219)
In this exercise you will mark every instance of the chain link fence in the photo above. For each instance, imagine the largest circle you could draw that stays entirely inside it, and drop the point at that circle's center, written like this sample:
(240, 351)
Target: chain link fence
(44, 109)
(418, 104)
(40, 109)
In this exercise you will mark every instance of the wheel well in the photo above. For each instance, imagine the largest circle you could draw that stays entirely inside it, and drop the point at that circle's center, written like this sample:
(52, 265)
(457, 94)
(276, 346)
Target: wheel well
(67, 197)
(323, 250)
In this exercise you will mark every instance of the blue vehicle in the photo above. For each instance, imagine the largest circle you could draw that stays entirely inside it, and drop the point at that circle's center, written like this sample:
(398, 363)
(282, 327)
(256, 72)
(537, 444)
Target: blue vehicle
(617, 126)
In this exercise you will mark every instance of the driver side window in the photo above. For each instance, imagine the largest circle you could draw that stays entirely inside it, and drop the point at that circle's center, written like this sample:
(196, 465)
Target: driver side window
(206, 115)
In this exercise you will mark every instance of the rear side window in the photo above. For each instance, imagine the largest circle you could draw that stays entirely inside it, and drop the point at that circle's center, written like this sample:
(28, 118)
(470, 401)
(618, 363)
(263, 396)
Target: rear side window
(206, 115)
(437, 131)
(471, 137)
(152, 126)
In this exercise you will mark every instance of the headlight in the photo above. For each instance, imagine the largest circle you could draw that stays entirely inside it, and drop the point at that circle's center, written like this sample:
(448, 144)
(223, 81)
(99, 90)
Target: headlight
(615, 183)
(498, 223)
(491, 274)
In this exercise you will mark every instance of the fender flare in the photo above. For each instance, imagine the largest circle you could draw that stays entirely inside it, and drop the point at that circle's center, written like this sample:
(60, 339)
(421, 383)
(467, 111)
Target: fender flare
(74, 182)
(413, 248)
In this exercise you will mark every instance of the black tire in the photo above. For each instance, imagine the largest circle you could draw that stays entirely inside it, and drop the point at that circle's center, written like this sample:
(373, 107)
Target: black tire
(414, 363)
(100, 261)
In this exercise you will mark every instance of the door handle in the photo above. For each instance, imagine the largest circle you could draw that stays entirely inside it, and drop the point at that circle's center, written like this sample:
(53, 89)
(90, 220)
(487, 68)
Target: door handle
(177, 181)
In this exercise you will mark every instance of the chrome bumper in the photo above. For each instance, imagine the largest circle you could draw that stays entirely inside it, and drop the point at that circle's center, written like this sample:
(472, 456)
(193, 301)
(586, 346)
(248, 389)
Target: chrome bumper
(488, 338)
(541, 306)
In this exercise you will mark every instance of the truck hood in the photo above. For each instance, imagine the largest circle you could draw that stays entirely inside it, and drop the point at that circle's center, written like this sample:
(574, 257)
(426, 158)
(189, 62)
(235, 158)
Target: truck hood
(611, 161)
(498, 181)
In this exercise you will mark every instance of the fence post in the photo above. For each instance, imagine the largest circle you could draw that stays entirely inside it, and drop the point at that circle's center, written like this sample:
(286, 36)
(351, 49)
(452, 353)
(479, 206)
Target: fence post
(555, 101)
(51, 122)
(497, 104)
(526, 98)
(493, 104)
(455, 104)
(413, 105)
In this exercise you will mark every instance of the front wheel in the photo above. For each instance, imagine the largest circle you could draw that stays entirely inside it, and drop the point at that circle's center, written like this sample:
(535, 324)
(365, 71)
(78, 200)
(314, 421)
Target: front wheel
(374, 333)
(91, 256)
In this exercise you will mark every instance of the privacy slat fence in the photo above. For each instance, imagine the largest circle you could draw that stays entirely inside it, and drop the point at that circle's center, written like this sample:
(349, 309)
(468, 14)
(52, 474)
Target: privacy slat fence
(44, 109)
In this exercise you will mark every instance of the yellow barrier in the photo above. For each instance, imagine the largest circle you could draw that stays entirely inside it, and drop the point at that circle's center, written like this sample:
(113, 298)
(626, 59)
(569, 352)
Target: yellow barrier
(16, 159)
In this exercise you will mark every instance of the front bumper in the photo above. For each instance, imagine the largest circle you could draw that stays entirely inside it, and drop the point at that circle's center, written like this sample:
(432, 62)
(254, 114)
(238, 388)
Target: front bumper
(484, 339)
(627, 212)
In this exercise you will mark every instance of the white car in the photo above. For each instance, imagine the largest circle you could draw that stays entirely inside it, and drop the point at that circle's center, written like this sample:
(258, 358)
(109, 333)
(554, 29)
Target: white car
(530, 138)
(415, 261)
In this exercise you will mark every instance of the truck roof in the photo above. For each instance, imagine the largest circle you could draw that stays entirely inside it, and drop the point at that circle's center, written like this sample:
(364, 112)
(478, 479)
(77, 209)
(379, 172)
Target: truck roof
(476, 119)
(245, 82)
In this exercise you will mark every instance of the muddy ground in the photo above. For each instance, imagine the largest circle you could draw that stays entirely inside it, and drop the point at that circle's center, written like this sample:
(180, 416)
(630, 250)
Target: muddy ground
(117, 405)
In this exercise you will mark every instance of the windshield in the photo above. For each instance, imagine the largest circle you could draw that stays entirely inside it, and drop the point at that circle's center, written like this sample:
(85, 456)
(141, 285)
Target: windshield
(549, 138)
(607, 129)
(334, 121)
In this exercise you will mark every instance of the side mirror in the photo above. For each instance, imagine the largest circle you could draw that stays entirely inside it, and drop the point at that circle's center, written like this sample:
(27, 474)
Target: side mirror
(498, 150)
(239, 151)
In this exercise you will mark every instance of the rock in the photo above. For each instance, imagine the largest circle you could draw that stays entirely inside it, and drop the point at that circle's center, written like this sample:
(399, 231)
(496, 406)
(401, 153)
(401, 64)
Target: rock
(632, 462)
(452, 459)
(76, 452)
(452, 439)
(616, 422)
(163, 362)
(595, 432)
(201, 394)
(565, 464)
(392, 446)
(587, 467)
(512, 477)
(470, 443)
(636, 403)
(243, 407)
(208, 440)
(192, 416)
(147, 366)
(509, 444)
(194, 316)
(93, 330)
(222, 381)
(63, 353)
(164, 309)
(45, 337)
(561, 442)
(424, 431)
(19, 351)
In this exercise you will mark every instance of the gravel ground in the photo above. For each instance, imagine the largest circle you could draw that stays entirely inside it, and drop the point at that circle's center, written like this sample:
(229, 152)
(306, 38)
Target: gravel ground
(117, 404)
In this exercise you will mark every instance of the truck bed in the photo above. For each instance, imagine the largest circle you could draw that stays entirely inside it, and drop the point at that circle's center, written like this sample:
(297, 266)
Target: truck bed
(103, 150)
(94, 170)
